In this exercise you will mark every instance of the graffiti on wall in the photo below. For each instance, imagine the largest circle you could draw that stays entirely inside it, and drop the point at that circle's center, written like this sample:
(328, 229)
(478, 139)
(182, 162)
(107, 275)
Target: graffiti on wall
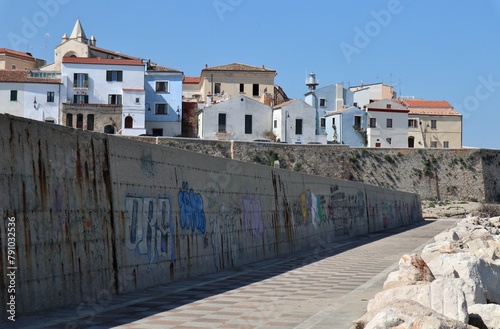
(191, 210)
(223, 238)
(252, 215)
(149, 228)
(311, 208)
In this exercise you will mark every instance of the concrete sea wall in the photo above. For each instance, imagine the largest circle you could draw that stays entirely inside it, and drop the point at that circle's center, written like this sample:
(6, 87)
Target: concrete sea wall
(98, 215)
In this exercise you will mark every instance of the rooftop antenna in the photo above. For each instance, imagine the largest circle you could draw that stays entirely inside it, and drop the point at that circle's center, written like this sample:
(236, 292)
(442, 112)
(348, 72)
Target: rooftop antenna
(47, 36)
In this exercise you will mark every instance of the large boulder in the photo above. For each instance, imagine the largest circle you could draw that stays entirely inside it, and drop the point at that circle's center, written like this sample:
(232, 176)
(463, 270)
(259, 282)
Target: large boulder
(441, 295)
(406, 314)
(466, 265)
(485, 315)
(412, 270)
(435, 249)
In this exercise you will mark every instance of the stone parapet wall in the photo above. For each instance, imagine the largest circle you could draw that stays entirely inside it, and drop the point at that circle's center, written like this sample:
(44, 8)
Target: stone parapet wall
(443, 174)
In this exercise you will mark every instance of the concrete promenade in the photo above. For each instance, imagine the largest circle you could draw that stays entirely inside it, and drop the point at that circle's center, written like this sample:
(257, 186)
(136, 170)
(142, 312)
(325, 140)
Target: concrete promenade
(328, 287)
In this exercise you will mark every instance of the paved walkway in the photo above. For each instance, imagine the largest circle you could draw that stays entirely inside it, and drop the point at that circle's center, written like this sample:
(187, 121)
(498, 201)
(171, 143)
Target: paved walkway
(328, 287)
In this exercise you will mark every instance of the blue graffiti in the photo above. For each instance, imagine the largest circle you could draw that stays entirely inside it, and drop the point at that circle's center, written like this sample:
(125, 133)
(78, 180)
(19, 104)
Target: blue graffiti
(149, 228)
(191, 209)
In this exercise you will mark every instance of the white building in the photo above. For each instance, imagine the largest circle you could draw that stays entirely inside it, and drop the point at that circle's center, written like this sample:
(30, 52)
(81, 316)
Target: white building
(295, 122)
(387, 124)
(240, 118)
(346, 126)
(26, 95)
(105, 95)
(366, 94)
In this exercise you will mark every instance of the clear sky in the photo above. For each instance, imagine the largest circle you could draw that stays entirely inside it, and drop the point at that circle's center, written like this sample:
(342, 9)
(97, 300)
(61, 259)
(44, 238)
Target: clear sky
(432, 49)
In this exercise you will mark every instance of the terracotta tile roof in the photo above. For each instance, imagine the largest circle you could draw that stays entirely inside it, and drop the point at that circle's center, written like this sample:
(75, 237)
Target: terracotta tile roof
(426, 107)
(24, 77)
(16, 53)
(84, 60)
(159, 68)
(426, 103)
(238, 67)
(194, 80)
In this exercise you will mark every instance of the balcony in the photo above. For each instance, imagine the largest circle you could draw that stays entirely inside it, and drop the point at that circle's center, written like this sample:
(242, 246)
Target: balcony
(100, 108)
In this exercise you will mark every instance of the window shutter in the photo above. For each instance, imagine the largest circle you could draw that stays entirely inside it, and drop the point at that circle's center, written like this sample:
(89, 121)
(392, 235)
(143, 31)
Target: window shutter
(75, 77)
(119, 76)
(109, 75)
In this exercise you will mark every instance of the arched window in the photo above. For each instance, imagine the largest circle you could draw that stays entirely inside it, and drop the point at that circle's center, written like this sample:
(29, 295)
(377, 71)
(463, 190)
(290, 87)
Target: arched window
(109, 129)
(129, 122)
(90, 122)
(411, 142)
(79, 121)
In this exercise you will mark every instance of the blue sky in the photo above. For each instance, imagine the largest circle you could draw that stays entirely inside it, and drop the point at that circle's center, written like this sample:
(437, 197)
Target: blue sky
(436, 50)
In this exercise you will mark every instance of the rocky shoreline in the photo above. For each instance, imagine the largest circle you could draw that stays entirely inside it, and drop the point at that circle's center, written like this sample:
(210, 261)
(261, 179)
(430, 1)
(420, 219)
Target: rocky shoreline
(454, 283)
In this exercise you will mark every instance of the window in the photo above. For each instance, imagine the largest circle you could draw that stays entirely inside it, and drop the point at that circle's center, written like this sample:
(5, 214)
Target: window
(412, 123)
(217, 87)
(388, 106)
(80, 80)
(275, 124)
(248, 124)
(137, 100)
(114, 75)
(129, 122)
(322, 102)
(222, 122)
(50, 96)
(298, 126)
(389, 123)
(357, 122)
(434, 144)
(162, 87)
(69, 120)
(81, 99)
(242, 88)
(79, 121)
(322, 122)
(161, 108)
(446, 144)
(13, 67)
(255, 89)
(109, 129)
(90, 122)
(373, 122)
(115, 99)
(157, 132)
(433, 124)
(411, 142)
(13, 95)
(333, 122)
